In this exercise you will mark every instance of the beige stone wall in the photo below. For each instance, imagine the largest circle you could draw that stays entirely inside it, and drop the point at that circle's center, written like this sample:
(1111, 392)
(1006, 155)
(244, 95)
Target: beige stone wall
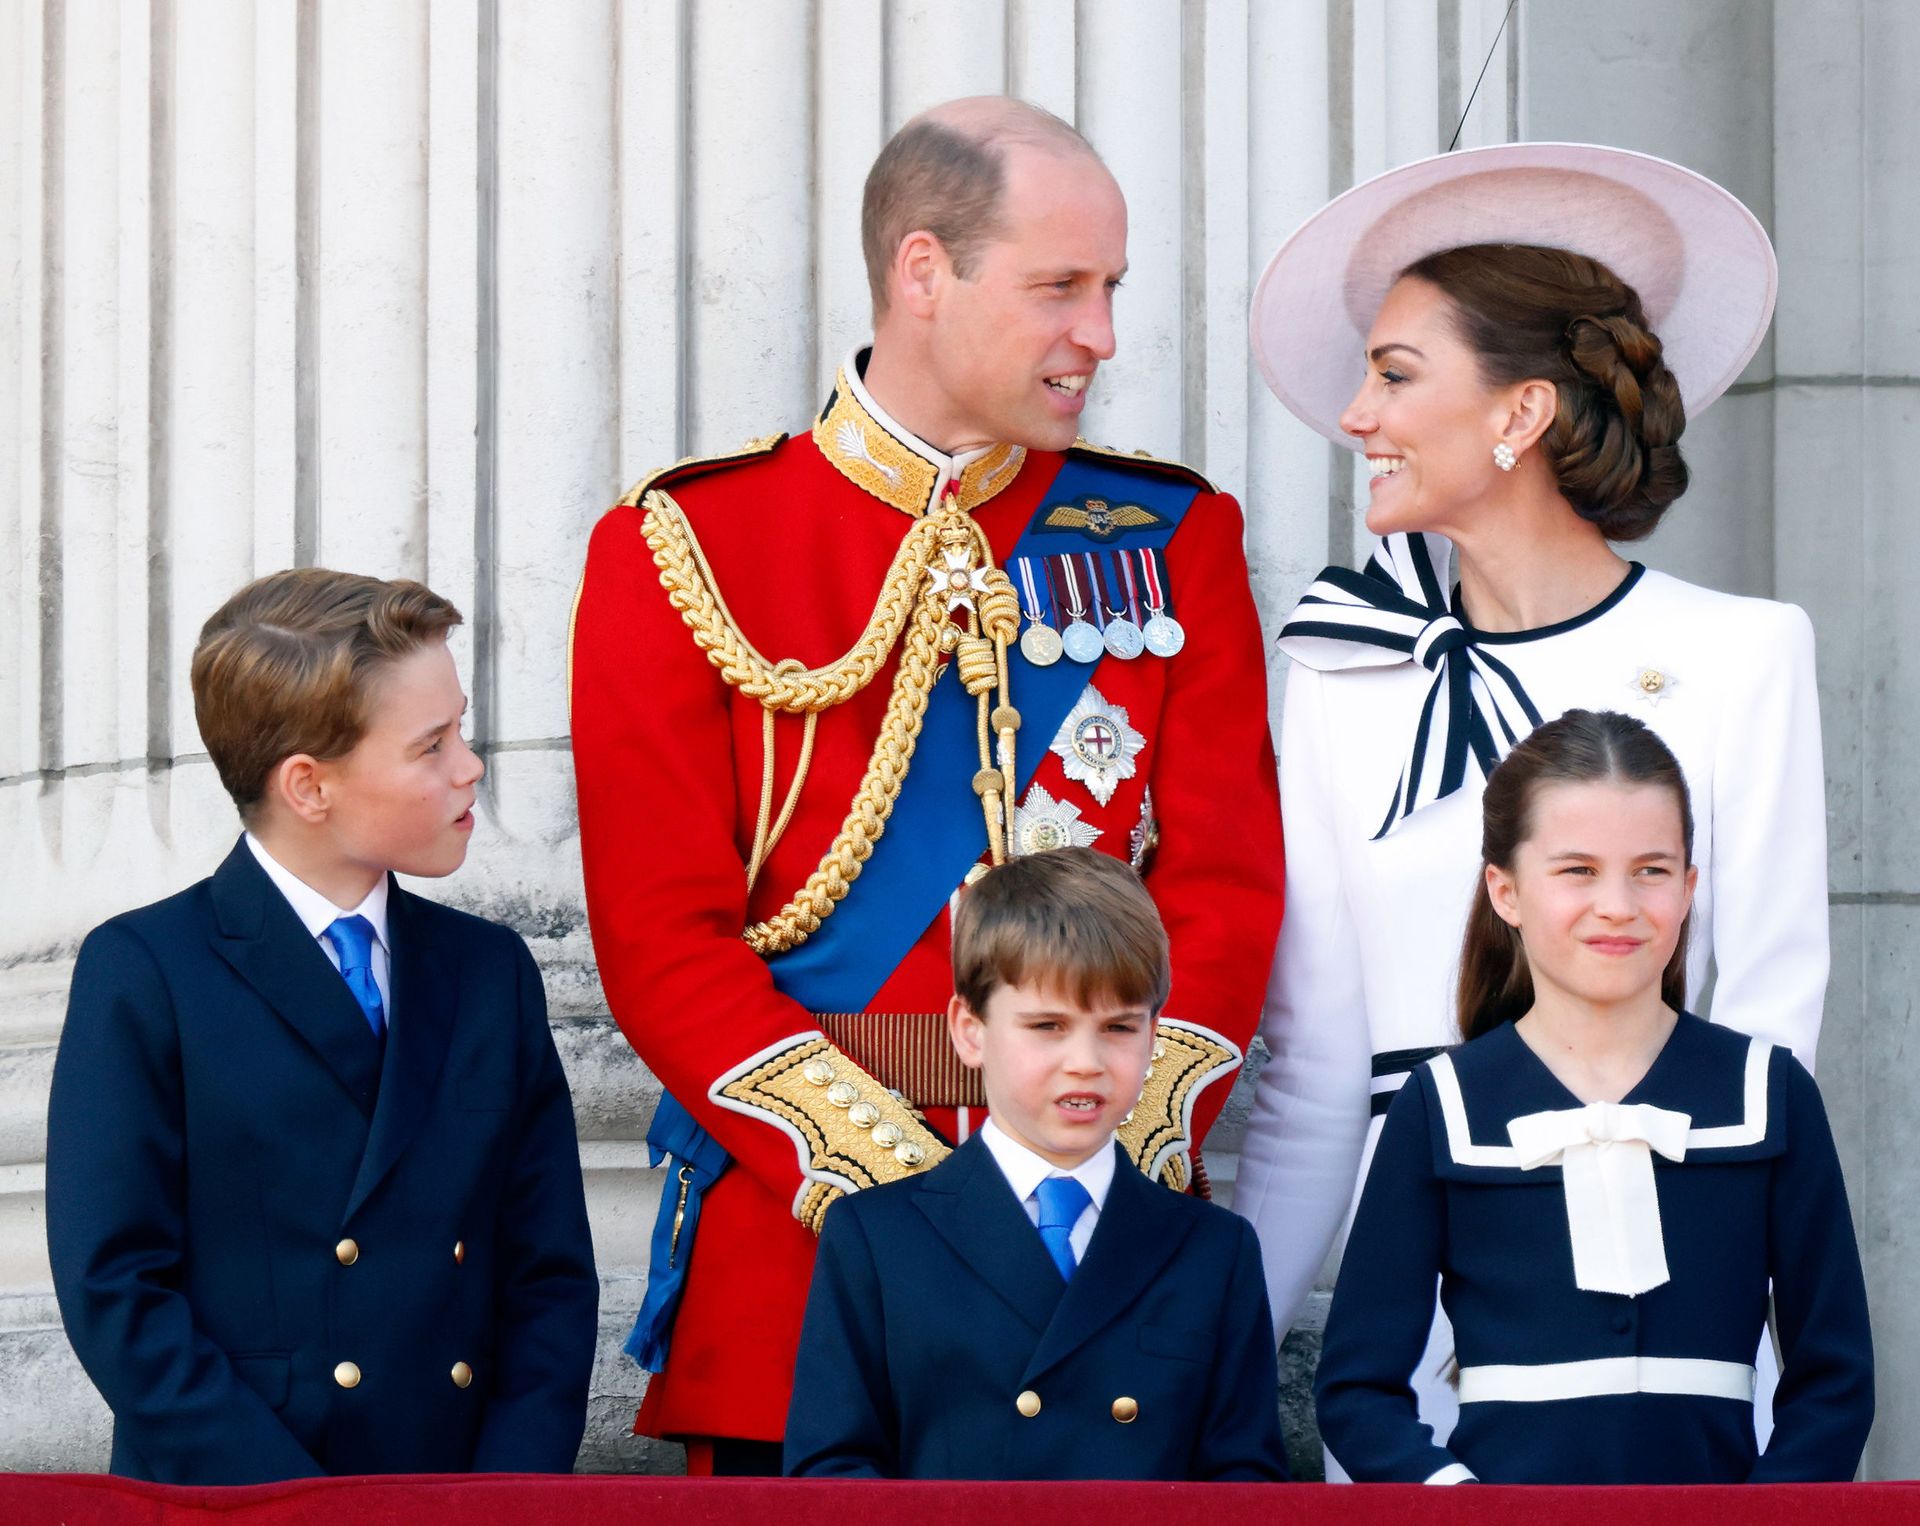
(417, 286)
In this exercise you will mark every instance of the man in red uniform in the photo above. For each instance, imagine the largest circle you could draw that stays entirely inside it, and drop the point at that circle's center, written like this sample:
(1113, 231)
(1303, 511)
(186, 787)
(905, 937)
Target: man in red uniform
(817, 681)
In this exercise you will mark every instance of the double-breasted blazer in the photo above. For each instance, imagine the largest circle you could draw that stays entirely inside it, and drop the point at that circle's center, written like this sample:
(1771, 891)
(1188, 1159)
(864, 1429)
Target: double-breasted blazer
(941, 1342)
(284, 1247)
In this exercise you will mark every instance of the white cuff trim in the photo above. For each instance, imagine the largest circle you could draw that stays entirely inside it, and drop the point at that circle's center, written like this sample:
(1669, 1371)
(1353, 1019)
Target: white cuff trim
(1454, 1473)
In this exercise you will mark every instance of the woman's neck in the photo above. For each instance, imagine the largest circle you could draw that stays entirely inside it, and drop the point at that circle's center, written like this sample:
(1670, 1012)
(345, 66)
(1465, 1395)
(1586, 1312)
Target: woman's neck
(1598, 1052)
(1533, 564)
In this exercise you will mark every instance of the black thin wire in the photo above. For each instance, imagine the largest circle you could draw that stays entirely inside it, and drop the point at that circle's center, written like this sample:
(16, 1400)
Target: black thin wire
(1483, 74)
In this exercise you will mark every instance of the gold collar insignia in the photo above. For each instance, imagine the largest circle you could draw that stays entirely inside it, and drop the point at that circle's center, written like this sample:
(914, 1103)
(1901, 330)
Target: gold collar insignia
(880, 457)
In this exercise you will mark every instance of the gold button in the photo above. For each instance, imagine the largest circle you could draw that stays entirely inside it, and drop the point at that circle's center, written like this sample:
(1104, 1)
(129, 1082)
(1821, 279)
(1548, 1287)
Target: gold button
(1124, 1409)
(347, 1252)
(462, 1374)
(347, 1375)
(1028, 1403)
(459, 1251)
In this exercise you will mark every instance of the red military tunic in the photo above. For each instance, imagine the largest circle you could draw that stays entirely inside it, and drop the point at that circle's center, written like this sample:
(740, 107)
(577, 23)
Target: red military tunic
(799, 535)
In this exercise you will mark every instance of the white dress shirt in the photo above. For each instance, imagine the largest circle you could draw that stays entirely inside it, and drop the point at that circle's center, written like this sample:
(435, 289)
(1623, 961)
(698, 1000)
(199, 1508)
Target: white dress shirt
(317, 914)
(1025, 1171)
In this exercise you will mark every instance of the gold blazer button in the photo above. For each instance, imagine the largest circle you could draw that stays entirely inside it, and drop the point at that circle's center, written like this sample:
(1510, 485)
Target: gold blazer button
(347, 1252)
(1028, 1403)
(1125, 1409)
(462, 1374)
(347, 1375)
(459, 1251)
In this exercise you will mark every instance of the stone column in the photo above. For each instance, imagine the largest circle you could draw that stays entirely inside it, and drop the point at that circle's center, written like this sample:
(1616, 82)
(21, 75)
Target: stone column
(418, 288)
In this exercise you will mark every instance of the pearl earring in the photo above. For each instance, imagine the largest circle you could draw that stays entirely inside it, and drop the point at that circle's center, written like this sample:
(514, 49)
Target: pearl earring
(1503, 456)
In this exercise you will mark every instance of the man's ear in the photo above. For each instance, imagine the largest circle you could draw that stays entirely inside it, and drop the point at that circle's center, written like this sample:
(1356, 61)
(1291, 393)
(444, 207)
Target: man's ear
(964, 1027)
(920, 265)
(299, 784)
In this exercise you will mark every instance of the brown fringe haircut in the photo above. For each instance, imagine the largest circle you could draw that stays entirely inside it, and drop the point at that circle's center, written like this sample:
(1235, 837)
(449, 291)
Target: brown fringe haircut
(1581, 747)
(289, 663)
(1074, 920)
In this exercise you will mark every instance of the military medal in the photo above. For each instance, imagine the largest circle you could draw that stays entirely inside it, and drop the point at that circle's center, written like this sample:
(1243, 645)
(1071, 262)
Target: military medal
(1081, 641)
(1120, 635)
(1039, 642)
(1097, 746)
(1164, 635)
(1041, 824)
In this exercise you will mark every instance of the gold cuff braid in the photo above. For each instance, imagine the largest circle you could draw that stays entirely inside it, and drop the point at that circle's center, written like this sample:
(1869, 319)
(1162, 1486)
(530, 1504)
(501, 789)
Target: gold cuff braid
(854, 1133)
(1186, 1059)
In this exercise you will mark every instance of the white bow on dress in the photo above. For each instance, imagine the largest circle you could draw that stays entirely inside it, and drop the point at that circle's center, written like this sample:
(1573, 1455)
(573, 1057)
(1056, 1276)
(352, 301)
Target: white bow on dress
(1605, 1154)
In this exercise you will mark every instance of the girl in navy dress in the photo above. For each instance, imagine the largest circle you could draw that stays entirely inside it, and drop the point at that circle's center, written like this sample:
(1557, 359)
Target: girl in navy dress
(1601, 1183)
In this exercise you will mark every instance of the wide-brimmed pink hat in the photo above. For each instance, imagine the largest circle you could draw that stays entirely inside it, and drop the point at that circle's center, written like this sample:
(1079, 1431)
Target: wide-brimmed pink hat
(1701, 262)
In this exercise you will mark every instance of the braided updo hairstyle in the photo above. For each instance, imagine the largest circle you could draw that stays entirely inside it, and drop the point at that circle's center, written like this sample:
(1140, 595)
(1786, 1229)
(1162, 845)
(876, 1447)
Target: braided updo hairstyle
(1528, 311)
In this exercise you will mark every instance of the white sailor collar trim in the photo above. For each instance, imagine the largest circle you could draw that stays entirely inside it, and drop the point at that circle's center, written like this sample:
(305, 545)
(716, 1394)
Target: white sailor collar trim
(1748, 1133)
(876, 453)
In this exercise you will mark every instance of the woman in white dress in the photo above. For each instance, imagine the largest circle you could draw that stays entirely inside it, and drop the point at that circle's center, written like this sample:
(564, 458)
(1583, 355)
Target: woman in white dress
(1515, 338)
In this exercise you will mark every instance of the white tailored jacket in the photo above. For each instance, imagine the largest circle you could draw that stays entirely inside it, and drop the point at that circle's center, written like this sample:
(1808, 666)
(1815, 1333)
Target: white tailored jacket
(1370, 944)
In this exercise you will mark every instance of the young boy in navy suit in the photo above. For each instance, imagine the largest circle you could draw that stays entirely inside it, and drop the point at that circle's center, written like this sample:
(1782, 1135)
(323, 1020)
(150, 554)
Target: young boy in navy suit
(1034, 1307)
(313, 1195)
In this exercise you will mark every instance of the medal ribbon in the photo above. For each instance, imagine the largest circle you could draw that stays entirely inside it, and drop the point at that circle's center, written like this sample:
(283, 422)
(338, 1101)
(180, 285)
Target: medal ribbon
(1033, 594)
(1156, 581)
(1133, 591)
(1099, 597)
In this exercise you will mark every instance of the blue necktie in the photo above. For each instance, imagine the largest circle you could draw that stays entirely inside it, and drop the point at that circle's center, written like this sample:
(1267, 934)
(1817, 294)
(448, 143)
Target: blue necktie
(1062, 1201)
(352, 939)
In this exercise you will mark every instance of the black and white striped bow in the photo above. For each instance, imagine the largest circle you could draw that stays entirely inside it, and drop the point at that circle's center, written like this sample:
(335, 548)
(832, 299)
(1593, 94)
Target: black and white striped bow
(1396, 611)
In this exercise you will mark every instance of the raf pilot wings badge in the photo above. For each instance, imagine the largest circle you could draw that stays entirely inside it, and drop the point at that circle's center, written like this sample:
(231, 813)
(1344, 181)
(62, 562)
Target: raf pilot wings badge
(1097, 518)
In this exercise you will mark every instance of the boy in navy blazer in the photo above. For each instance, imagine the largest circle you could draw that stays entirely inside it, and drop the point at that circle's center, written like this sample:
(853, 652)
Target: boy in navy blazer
(313, 1194)
(1034, 1307)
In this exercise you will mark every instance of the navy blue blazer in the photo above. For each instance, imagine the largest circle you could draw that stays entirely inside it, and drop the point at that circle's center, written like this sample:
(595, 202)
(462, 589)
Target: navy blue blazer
(280, 1251)
(1564, 1386)
(940, 1341)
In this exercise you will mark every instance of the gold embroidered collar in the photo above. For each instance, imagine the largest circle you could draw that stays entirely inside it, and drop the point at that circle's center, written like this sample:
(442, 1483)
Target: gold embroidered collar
(897, 467)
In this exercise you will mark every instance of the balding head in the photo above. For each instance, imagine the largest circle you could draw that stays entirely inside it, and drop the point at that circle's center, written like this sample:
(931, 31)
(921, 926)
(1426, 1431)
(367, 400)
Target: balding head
(945, 172)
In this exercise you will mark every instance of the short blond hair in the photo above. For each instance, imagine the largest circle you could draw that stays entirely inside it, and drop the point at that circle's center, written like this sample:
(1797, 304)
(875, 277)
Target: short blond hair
(1072, 920)
(288, 665)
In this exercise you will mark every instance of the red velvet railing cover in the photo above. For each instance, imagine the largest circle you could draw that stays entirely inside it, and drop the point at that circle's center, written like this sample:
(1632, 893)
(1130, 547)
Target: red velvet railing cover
(76, 1499)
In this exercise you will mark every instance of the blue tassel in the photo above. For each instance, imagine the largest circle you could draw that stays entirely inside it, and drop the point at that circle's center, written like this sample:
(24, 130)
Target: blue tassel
(695, 1161)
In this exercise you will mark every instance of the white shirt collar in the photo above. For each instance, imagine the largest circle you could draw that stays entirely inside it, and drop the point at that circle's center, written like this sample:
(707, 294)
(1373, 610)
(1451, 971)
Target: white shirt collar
(1025, 1171)
(315, 911)
(949, 467)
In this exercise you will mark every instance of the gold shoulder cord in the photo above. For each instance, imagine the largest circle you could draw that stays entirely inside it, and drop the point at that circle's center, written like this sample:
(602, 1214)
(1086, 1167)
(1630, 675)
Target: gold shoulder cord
(943, 563)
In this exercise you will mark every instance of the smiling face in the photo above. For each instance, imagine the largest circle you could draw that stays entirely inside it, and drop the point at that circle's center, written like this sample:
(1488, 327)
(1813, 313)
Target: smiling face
(1014, 345)
(402, 798)
(1599, 890)
(1059, 1077)
(1425, 419)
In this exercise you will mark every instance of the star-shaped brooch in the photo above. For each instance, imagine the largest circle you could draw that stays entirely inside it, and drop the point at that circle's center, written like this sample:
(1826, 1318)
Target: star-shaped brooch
(1042, 824)
(1652, 685)
(1096, 745)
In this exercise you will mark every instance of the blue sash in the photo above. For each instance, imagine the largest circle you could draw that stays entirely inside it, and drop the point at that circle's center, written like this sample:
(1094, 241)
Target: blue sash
(931, 840)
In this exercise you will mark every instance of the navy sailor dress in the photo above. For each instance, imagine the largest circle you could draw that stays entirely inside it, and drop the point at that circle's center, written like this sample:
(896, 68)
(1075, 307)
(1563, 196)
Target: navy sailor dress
(1716, 1173)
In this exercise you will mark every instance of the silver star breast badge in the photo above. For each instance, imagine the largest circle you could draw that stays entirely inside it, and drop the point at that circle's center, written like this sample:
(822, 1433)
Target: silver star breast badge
(1042, 824)
(1096, 745)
